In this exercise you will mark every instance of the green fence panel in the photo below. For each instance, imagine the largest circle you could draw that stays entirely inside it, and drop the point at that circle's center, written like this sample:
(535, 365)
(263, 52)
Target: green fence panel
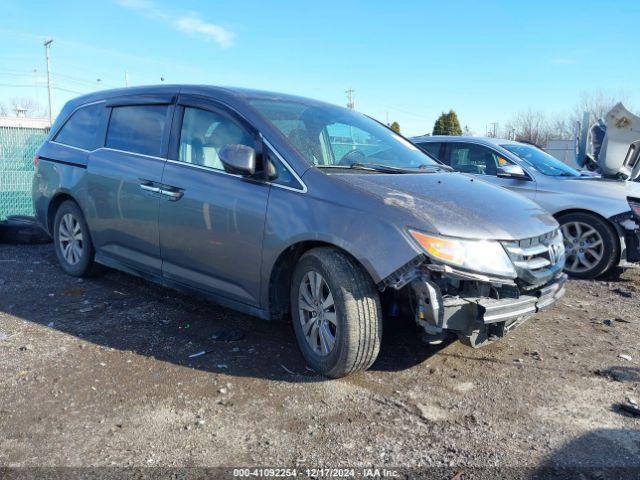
(18, 146)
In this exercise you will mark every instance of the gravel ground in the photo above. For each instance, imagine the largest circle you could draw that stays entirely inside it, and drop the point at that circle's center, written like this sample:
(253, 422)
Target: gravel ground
(97, 373)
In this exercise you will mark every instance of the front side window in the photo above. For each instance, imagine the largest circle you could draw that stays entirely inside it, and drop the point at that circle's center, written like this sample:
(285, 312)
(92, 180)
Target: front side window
(138, 129)
(476, 159)
(328, 136)
(204, 133)
(541, 161)
(82, 127)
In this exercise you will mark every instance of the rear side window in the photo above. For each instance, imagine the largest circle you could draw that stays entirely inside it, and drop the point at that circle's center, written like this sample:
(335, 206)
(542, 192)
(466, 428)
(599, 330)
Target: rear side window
(432, 148)
(137, 129)
(82, 127)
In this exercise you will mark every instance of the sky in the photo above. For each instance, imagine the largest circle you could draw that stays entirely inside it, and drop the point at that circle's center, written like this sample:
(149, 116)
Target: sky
(407, 61)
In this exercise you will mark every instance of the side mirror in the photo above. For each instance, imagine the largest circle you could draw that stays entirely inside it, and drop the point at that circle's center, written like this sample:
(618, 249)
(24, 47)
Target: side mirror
(239, 159)
(512, 171)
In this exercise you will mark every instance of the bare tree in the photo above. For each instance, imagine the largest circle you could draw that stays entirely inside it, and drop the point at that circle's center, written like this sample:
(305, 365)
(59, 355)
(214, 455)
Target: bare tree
(597, 103)
(3, 110)
(561, 128)
(530, 126)
(31, 107)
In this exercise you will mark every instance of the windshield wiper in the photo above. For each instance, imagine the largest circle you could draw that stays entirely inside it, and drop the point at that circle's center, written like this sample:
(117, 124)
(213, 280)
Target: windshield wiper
(427, 168)
(370, 167)
(376, 167)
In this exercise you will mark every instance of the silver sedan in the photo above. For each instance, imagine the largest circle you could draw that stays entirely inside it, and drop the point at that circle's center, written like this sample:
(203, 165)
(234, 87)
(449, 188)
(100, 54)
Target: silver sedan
(600, 218)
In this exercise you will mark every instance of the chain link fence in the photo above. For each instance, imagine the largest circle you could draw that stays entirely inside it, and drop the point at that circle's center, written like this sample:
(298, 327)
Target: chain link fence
(18, 146)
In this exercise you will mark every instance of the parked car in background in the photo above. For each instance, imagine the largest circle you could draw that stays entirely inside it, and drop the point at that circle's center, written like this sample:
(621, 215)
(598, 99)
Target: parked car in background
(600, 218)
(280, 206)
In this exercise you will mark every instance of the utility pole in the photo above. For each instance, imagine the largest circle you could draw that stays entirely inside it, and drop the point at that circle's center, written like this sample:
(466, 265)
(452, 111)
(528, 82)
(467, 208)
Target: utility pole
(126, 78)
(350, 102)
(47, 45)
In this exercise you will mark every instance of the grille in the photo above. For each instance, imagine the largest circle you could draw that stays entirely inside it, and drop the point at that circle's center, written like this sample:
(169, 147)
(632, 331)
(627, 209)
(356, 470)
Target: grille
(537, 259)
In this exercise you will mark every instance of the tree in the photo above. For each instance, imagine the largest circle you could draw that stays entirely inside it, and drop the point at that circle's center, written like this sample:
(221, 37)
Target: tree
(447, 124)
(3, 110)
(597, 103)
(395, 126)
(562, 129)
(530, 126)
(32, 107)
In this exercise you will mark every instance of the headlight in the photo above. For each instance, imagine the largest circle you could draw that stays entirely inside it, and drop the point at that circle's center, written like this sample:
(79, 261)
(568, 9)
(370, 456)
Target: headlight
(482, 256)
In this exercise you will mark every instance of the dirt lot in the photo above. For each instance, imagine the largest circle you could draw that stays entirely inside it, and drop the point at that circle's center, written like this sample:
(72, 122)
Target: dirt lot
(97, 373)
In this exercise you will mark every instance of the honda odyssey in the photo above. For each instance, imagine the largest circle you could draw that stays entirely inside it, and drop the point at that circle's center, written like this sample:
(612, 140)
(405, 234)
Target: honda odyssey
(284, 207)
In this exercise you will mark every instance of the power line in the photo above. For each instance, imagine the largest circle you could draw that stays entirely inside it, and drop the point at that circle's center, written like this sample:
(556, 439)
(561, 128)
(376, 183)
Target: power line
(20, 85)
(68, 90)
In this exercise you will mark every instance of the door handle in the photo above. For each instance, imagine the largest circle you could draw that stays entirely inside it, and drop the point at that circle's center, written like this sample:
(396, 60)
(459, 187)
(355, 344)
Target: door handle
(149, 188)
(172, 194)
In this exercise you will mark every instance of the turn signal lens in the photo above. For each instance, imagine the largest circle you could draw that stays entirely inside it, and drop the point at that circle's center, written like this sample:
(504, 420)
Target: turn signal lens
(36, 159)
(441, 248)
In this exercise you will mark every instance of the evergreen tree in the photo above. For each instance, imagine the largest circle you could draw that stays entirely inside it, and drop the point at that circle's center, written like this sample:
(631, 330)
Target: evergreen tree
(447, 124)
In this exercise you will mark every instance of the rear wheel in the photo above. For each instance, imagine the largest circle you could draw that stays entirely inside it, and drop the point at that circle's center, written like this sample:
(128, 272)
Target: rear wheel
(591, 245)
(336, 313)
(72, 240)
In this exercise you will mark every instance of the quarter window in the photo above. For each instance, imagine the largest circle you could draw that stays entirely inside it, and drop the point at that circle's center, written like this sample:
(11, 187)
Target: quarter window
(204, 133)
(280, 175)
(432, 148)
(138, 129)
(82, 128)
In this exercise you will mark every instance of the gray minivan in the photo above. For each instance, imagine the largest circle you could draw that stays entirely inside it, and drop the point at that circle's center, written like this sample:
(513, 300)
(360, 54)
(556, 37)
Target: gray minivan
(284, 207)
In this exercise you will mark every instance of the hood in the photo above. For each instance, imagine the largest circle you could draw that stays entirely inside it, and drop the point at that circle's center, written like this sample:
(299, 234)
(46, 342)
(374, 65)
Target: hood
(600, 187)
(456, 205)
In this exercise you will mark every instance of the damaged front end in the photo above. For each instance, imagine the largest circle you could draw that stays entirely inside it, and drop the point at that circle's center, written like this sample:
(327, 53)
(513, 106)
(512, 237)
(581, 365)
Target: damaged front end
(480, 308)
(628, 226)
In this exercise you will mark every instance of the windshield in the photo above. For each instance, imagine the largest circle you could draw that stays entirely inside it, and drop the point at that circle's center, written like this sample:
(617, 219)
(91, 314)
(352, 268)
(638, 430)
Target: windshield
(329, 136)
(541, 161)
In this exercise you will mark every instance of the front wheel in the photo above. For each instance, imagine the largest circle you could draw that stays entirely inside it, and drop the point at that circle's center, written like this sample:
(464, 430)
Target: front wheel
(591, 245)
(336, 313)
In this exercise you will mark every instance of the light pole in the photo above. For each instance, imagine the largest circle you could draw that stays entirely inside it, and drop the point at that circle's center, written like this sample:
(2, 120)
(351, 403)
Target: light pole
(47, 45)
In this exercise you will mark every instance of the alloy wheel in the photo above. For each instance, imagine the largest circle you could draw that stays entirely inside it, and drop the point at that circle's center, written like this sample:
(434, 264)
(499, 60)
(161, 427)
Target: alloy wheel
(584, 247)
(317, 313)
(70, 238)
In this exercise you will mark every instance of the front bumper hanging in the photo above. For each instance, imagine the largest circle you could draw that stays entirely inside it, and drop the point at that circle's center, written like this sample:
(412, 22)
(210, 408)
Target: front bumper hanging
(478, 320)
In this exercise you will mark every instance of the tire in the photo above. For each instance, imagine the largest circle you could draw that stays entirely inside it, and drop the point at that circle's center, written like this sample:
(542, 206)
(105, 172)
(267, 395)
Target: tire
(20, 229)
(604, 240)
(356, 311)
(81, 263)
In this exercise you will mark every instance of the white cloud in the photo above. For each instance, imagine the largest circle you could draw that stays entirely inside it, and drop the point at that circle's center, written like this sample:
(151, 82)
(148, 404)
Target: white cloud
(193, 24)
(190, 23)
